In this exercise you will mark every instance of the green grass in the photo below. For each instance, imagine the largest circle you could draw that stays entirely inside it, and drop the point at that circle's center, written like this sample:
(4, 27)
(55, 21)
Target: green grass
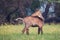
(13, 32)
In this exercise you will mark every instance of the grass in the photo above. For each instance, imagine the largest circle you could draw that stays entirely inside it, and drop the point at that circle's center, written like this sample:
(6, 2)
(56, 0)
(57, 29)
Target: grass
(13, 32)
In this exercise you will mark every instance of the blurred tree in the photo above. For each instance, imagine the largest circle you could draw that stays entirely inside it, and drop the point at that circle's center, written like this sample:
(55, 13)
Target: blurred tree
(57, 9)
(17, 8)
(46, 10)
(35, 4)
(10, 7)
(56, 2)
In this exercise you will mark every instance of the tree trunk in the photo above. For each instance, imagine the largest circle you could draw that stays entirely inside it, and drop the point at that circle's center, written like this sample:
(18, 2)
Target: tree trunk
(57, 9)
(46, 10)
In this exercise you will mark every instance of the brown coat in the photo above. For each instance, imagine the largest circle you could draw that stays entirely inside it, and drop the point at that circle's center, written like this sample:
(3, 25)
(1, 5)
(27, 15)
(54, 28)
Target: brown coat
(38, 13)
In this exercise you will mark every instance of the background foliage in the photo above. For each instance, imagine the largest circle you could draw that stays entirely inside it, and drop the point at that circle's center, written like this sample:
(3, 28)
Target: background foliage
(11, 9)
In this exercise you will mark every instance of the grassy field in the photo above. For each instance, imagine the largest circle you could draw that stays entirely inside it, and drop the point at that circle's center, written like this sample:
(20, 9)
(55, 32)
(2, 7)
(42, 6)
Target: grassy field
(13, 32)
